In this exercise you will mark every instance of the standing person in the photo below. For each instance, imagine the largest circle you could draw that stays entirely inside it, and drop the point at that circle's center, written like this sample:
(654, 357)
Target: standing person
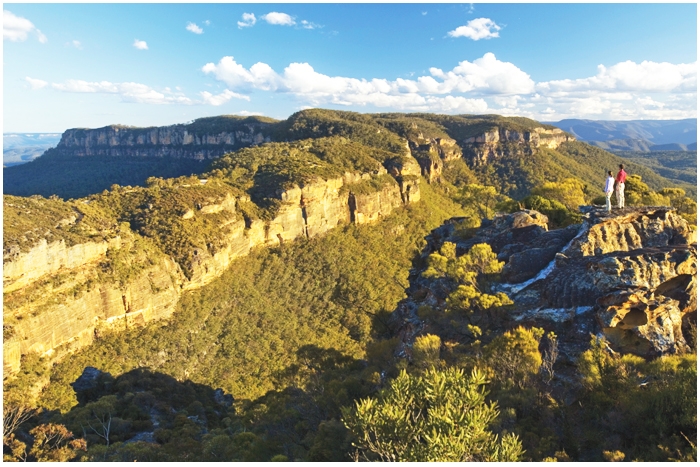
(609, 185)
(620, 191)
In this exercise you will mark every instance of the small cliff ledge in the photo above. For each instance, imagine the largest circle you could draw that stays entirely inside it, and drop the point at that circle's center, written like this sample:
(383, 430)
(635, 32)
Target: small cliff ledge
(630, 275)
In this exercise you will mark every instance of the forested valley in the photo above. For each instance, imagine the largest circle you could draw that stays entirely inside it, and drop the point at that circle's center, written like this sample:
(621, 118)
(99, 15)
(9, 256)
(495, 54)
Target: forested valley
(299, 350)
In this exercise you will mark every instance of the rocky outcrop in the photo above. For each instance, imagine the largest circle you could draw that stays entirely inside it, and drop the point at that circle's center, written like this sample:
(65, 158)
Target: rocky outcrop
(60, 313)
(180, 141)
(57, 298)
(432, 154)
(46, 258)
(630, 275)
(499, 142)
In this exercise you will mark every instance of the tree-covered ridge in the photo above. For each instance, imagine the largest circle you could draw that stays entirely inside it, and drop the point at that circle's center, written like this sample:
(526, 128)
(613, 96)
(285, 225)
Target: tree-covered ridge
(301, 334)
(318, 123)
(159, 211)
(26, 221)
(515, 172)
(263, 170)
(679, 166)
(461, 127)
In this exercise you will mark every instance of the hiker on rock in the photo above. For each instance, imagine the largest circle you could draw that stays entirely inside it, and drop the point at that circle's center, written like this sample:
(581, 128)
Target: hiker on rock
(609, 186)
(620, 190)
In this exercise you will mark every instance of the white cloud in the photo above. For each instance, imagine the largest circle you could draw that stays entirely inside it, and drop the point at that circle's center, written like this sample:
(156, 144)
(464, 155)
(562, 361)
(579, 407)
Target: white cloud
(630, 76)
(309, 25)
(17, 29)
(246, 113)
(476, 29)
(129, 92)
(486, 75)
(77, 44)
(219, 99)
(141, 45)
(139, 93)
(194, 28)
(260, 76)
(484, 84)
(248, 20)
(36, 83)
(281, 19)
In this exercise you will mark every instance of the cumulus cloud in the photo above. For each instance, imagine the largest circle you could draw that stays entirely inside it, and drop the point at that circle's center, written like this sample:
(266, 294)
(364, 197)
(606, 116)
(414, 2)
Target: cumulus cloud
(141, 45)
(248, 20)
(222, 98)
(485, 84)
(74, 43)
(630, 76)
(36, 83)
(194, 28)
(281, 19)
(17, 29)
(486, 75)
(476, 29)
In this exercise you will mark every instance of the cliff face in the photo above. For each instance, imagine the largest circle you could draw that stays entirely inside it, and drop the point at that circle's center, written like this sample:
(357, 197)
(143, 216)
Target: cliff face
(58, 297)
(500, 142)
(181, 141)
(432, 153)
(630, 276)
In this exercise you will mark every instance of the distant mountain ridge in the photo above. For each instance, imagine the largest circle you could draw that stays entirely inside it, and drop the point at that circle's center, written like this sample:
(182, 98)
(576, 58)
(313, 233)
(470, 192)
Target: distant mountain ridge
(640, 145)
(635, 135)
(514, 154)
(18, 148)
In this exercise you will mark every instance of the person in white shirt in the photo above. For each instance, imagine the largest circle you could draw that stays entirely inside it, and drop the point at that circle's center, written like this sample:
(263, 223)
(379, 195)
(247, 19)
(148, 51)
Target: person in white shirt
(609, 185)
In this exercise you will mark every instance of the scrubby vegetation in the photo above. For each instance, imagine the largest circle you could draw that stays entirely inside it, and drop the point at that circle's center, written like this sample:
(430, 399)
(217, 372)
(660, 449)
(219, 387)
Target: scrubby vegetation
(300, 334)
(679, 166)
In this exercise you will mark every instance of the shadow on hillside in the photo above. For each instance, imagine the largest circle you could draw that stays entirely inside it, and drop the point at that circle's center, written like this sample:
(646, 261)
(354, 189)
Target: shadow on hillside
(78, 177)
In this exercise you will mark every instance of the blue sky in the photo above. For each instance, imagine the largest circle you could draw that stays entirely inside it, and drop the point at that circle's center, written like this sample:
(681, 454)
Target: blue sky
(90, 65)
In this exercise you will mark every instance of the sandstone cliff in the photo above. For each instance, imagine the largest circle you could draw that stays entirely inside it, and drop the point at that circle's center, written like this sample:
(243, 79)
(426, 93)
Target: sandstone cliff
(499, 142)
(205, 138)
(432, 153)
(58, 296)
(630, 276)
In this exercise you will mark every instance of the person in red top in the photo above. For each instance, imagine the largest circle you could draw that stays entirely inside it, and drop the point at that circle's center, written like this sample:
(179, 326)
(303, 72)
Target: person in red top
(620, 187)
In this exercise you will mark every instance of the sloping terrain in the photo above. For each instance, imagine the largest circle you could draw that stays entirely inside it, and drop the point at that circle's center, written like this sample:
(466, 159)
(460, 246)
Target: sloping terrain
(507, 152)
(270, 290)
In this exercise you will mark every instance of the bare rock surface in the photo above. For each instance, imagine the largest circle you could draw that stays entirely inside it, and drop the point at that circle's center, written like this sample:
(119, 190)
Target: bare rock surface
(630, 275)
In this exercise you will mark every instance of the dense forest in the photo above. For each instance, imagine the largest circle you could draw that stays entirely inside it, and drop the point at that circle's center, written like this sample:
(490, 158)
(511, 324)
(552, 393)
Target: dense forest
(291, 354)
(681, 166)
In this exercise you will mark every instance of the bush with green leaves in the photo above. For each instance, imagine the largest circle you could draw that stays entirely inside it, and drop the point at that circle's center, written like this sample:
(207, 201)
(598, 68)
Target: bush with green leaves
(438, 416)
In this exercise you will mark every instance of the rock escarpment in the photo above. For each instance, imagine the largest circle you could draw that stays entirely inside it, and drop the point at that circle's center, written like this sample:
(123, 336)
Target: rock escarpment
(59, 294)
(206, 138)
(433, 153)
(500, 142)
(630, 276)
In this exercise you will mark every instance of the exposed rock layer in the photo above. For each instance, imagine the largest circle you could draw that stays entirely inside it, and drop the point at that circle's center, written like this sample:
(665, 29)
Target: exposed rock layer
(499, 142)
(172, 141)
(630, 275)
(67, 304)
